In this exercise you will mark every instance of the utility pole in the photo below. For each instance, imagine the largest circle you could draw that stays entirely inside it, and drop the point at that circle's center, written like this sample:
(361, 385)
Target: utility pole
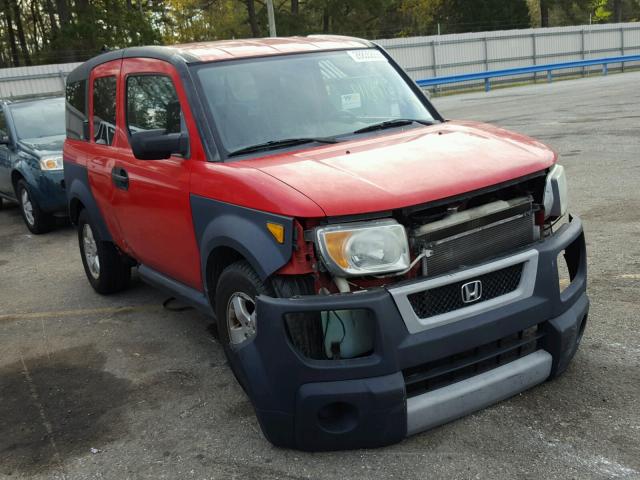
(272, 19)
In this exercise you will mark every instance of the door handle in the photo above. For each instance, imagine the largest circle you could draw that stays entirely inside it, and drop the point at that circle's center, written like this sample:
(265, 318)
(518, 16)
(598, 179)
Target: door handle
(120, 178)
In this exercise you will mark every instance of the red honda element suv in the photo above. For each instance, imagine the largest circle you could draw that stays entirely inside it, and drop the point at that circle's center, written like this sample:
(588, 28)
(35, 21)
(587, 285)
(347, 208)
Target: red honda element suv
(374, 269)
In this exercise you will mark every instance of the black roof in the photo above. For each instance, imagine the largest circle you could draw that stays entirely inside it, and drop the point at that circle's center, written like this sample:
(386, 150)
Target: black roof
(169, 54)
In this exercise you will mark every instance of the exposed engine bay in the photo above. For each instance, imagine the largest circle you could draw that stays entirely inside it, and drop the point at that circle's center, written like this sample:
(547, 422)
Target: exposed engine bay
(441, 237)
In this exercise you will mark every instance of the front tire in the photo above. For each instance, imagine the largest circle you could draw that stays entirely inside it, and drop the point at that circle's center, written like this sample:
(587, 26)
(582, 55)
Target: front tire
(236, 292)
(235, 308)
(37, 221)
(107, 270)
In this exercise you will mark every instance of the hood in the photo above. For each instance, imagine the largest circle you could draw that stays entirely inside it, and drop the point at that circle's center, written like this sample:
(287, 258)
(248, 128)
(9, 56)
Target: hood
(415, 166)
(44, 145)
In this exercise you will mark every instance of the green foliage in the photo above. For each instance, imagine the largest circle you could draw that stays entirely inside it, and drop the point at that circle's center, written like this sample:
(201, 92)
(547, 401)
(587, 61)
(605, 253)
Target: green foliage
(49, 31)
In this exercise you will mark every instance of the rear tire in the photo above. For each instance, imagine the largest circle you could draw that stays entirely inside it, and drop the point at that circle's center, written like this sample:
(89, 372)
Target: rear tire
(37, 221)
(107, 270)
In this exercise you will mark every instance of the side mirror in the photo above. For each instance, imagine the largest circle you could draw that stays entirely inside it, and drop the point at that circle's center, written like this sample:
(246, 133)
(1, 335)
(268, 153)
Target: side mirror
(158, 145)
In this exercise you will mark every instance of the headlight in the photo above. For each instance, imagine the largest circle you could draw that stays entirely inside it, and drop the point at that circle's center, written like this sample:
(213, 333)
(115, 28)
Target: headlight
(555, 193)
(51, 163)
(367, 248)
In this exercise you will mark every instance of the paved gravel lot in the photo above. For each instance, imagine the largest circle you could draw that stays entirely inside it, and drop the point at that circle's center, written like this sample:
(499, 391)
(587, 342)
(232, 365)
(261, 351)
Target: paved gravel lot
(149, 391)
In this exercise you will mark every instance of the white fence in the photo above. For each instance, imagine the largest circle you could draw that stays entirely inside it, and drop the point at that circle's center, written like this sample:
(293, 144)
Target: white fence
(31, 81)
(424, 57)
(438, 55)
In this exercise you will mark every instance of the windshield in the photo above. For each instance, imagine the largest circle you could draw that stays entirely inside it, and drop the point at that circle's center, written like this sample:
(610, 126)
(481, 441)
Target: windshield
(313, 95)
(39, 119)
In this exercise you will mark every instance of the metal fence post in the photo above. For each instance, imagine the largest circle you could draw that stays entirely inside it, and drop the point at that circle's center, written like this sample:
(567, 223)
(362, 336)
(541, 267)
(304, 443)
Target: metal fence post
(63, 80)
(622, 47)
(486, 54)
(582, 47)
(535, 55)
(435, 61)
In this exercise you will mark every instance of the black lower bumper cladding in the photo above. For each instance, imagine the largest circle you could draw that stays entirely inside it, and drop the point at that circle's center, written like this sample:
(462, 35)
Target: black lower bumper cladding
(460, 366)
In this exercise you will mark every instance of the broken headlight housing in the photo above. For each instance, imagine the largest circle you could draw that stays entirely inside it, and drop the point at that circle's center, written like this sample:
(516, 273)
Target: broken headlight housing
(555, 193)
(365, 248)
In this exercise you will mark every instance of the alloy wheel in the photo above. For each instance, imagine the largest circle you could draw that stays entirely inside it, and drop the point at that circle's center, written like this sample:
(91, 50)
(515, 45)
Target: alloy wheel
(241, 318)
(90, 251)
(27, 207)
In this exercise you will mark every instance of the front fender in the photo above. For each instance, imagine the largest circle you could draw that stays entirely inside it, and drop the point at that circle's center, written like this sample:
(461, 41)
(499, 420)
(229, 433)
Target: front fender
(25, 167)
(219, 224)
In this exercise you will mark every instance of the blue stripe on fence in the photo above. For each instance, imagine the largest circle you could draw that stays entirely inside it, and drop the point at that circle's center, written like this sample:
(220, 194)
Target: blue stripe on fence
(549, 68)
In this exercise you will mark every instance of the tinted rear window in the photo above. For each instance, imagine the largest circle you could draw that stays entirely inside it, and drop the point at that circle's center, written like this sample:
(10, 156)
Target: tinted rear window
(76, 109)
(104, 110)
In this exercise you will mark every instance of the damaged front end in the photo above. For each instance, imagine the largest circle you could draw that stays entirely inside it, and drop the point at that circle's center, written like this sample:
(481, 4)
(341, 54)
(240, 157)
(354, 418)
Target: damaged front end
(415, 307)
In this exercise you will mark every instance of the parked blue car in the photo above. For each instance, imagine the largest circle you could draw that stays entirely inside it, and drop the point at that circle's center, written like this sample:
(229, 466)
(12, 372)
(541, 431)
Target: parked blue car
(31, 136)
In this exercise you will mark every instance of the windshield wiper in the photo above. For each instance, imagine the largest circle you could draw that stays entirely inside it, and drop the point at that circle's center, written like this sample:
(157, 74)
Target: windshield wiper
(396, 122)
(287, 142)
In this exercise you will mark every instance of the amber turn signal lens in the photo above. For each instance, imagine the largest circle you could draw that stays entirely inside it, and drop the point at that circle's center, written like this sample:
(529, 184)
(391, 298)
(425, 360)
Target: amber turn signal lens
(335, 242)
(277, 231)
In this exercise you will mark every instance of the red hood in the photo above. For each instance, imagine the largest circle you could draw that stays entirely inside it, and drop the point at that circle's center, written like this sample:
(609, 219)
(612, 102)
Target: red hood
(408, 168)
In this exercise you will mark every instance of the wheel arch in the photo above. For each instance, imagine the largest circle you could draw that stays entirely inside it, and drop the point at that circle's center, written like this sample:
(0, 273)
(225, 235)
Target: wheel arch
(79, 194)
(16, 176)
(219, 258)
(228, 233)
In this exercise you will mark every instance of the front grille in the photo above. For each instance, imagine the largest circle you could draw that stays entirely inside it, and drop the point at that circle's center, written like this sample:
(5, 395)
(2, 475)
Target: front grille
(455, 368)
(448, 298)
(475, 246)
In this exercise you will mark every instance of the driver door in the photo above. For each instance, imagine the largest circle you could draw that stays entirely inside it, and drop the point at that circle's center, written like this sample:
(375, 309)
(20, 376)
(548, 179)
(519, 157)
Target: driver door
(152, 199)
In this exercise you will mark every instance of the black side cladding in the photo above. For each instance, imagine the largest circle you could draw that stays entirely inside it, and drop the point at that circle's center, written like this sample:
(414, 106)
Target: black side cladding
(76, 179)
(219, 224)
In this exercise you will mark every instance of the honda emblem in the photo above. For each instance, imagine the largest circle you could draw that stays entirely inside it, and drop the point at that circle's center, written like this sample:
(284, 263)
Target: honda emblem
(471, 291)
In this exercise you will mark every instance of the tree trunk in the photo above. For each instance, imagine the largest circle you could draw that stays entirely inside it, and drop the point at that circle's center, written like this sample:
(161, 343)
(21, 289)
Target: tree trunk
(253, 20)
(21, 37)
(11, 37)
(36, 18)
(544, 13)
(63, 13)
(52, 19)
(326, 20)
(617, 11)
(295, 7)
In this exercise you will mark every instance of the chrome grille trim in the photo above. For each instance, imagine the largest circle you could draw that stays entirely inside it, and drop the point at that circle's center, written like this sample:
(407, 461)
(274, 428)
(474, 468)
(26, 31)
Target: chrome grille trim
(414, 324)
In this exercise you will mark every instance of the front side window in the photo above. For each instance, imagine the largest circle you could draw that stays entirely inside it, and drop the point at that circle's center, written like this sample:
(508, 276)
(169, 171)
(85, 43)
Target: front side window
(104, 110)
(152, 104)
(39, 121)
(309, 95)
(76, 109)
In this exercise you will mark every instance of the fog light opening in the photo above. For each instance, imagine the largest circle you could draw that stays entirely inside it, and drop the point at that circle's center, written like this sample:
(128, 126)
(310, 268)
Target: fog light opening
(564, 276)
(338, 417)
(332, 334)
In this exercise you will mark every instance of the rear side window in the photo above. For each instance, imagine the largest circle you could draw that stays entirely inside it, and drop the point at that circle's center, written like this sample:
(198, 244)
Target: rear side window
(3, 125)
(152, 104)
(76, 109)
(104, 110)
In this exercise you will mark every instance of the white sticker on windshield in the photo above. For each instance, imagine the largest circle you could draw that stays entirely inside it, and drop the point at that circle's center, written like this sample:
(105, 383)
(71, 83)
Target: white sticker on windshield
(366, 55)
(351, 101)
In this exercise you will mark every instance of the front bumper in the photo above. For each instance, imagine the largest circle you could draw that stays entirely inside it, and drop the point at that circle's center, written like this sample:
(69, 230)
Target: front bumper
(363, 402)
